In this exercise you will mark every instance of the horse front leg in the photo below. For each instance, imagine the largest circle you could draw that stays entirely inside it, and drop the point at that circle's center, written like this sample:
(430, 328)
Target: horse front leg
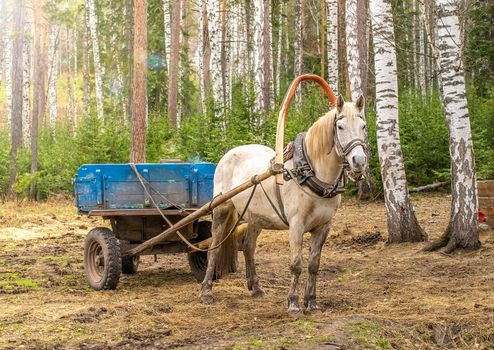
(295, 237)
(317, 239)
(249, 248)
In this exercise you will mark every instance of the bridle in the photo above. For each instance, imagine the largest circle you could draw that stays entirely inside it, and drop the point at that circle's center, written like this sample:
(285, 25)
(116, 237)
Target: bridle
(344, 151)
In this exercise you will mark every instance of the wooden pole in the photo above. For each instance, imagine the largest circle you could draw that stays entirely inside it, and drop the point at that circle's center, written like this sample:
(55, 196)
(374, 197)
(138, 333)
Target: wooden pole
(205, 209)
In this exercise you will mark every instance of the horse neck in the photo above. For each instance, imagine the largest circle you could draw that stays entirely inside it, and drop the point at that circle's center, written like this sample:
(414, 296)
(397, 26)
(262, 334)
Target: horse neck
(320, 148)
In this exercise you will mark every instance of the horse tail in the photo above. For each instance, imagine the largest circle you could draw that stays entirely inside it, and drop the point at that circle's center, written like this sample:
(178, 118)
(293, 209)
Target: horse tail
(226, 256)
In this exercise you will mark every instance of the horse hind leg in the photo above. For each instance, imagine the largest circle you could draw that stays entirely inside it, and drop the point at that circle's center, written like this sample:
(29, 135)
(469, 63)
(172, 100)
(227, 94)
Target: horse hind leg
(220, 260)
(317, 239)
(249, 248)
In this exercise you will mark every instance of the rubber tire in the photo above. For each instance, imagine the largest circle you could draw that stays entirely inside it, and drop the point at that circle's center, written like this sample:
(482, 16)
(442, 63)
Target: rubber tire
(130, 264)
(102, 241)
(198, 261)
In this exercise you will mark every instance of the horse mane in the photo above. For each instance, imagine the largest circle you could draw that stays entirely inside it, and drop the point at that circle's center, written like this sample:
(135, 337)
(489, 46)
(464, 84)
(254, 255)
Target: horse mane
(319, 140)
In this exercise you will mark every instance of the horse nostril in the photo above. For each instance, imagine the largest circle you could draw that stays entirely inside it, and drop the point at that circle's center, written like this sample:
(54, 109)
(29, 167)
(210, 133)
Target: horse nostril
(359, 160)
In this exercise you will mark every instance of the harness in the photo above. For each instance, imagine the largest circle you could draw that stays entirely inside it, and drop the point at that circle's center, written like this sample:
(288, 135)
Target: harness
(303, 172)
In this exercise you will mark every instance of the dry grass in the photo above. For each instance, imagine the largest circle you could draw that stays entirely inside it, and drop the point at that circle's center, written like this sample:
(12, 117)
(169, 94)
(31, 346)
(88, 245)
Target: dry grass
(373, 295)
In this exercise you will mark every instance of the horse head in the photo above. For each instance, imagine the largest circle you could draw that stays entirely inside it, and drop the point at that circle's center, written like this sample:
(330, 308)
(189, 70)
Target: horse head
(350, 133)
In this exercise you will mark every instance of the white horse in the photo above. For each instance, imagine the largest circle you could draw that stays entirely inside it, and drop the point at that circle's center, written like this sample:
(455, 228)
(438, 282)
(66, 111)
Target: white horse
(335, 140)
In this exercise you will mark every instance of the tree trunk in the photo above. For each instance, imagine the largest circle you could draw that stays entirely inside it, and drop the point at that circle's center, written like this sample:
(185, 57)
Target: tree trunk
(332, 43)
(299, 53)
(39, 92)
(53, 75)
(462, 231)
(279, 50)
(213, 9)
(98, 76)
(75, 109)
(174, 65)
(139, 88)
(8, 75)
(352, 49)
(402, 223)
(258, 49)
(26, 88)
(17, 72)
(167, 30)
(86, 93)
(267, 57)
(205, 55)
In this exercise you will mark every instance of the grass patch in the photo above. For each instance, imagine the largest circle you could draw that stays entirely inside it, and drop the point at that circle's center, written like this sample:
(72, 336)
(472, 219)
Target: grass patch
(308, 326)
(14, 282)
(370, 335)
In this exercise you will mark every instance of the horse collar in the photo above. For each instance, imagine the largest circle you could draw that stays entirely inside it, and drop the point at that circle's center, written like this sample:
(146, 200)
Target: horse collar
(303, 172)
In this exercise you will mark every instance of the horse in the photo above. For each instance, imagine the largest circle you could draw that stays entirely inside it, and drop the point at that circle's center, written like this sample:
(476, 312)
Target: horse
(334, 145)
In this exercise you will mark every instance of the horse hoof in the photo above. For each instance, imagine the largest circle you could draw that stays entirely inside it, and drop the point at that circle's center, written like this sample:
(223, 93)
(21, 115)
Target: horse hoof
(312, 307)
(294, 309)
(207, 299)
(258, 293)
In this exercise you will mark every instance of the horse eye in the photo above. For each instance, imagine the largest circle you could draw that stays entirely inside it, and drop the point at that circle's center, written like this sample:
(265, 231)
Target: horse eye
(363, 127)
(340, 127)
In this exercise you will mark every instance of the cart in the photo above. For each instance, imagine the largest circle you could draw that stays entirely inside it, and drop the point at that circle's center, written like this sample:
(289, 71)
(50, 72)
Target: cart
(114, 192)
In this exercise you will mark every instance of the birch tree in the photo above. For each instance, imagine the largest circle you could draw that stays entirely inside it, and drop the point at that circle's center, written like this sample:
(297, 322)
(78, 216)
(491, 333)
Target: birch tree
(299, 53)
(26, 77)
(402, 223)
(462, 229)
(139, 88)
(213, 10)
(98, 75)
(167, 30)
(332, 43)
(17, 72)
(257, 44)
(352, 49)
(205, 53)
(53, 75)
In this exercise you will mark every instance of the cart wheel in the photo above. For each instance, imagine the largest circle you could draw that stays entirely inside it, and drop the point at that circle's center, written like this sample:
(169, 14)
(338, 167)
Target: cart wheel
(198, 261)
(130, 264)
(102, 259)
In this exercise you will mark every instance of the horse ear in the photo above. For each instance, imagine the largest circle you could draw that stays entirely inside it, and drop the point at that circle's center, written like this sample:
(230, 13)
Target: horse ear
(340, 103)
(360, 102)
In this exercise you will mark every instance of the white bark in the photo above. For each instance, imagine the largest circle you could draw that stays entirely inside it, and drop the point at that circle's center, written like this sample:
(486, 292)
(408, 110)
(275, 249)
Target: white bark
(298, 38)
(279, 49)
(213, 10)
(332, 43)
(93, 29)
(421, 53)
(26, 80)
(402, 224)
(75, 110)
(463, 182)
(167, 31)
(8, 77)
(258, 52)
(53, 75)
(352, 49)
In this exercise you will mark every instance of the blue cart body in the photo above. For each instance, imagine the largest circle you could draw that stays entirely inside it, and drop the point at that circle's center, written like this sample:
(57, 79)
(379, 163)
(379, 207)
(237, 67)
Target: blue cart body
(115, 186)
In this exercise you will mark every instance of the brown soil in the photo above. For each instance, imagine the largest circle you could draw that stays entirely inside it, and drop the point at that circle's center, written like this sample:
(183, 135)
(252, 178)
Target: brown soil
(373, 295)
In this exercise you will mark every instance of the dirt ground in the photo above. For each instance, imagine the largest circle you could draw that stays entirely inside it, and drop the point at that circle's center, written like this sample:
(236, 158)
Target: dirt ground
(374, 296)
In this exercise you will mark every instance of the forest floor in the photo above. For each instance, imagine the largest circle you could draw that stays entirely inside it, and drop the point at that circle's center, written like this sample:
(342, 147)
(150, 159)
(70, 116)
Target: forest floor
(373, 295)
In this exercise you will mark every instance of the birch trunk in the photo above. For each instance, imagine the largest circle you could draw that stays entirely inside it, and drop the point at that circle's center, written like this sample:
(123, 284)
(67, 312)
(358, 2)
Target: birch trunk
(352, 49)
(26, 88)
(279, 50)
(213, 9)
(167, 30)
(8, 77)
(53, 76)
(402, 223)
(17, 72)
(205, 48)
(75, 73)
(85, 67)
(462, 231)
(93, 30)
(257, 47)
(298, 69)
(332, 43)
(267, 55)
